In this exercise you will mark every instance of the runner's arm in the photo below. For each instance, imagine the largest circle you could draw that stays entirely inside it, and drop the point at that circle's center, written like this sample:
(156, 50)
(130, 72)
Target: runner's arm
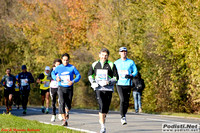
(78, 76)
(115, 77)
(31, 78)
(3, 79)
(91, 75)
(134, 69)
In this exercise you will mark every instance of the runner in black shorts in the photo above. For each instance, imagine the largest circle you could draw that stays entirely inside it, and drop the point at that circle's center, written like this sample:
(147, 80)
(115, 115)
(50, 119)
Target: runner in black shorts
(53, 88)
(64, 74)
(8, 81)
(102, 76)
(44, 89)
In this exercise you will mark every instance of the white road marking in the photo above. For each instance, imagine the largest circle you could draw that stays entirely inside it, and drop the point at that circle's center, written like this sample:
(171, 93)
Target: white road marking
(72, 128)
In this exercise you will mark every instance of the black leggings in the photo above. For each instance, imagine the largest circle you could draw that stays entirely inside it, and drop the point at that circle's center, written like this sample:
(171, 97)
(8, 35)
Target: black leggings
(65, 95)
(53, 94)
(124, 94)
(25, 95)
(104, 100)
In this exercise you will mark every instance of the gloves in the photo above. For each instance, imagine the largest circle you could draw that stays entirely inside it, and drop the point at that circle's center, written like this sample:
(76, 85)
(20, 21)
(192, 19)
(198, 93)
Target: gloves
(129, 77)
(94, 85)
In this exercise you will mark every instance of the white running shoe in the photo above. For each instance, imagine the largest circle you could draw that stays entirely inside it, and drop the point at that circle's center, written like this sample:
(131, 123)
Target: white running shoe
(60, 117)
(103, 130)
(123, 120)
(53, 118)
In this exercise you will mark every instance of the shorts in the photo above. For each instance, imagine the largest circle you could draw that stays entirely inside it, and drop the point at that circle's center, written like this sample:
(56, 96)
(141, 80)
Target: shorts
(104, 100)
(7, 92)
(43, 92)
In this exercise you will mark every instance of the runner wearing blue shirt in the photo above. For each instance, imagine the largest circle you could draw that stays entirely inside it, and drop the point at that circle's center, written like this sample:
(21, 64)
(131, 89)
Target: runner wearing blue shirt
(64, 74)
(126, 70)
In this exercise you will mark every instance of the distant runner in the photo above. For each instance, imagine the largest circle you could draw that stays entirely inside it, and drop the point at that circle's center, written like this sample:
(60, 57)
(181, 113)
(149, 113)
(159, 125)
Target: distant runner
(44, 89)
(53, 88)
(8, 81)
(25, 79)
(102, 76)
(64, 74)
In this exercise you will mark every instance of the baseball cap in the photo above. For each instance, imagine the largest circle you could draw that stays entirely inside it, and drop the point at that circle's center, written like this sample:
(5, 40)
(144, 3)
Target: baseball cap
(47, 68)
(23, 67)
(122, 49)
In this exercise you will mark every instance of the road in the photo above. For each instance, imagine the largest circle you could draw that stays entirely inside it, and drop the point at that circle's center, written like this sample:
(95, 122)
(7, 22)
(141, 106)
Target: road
(87, 120)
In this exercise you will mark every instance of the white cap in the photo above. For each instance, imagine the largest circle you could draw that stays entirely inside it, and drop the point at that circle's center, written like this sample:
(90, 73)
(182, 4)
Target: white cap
(122, 49)
(47, 68)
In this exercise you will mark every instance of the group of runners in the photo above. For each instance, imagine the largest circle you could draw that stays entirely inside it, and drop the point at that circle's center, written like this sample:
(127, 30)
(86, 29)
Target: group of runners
(103, 75)
(17, 85)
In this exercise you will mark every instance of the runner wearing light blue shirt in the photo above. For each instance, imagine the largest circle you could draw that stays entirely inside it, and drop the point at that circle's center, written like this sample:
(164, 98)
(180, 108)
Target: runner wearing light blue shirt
(126, 69)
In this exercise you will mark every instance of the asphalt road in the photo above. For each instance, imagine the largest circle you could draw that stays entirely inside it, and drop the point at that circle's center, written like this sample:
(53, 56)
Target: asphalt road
(87, 121)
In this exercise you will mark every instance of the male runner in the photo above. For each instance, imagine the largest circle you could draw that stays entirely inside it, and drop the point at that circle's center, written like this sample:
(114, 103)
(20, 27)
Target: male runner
(64, 74)
(8, 81)
(25, 79)
(102, 76)
(126, 69)
(44, 89)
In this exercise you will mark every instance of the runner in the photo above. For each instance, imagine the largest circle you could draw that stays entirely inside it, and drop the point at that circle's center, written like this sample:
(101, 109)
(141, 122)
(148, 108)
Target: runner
(8, 81)
(44, 89)
(53, 88)
(102, 76)
(25, 79)
(64, 75)
(126, 70)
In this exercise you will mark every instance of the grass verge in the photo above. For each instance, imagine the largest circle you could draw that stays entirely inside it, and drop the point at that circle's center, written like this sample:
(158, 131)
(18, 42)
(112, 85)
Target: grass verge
(11, 123)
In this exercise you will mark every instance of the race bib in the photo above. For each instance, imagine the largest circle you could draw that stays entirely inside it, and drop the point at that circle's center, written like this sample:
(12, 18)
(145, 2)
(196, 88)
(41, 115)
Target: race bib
(102, 77)
(24, 82)
(9, 83)
(54, 84)
(65, 79)
(47, 84)
(122, 74)
(102, 74)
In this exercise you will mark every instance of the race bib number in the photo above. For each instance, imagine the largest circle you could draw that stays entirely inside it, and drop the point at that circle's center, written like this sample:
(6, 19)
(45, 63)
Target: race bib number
(54, 84)
(24, 82)
(102, 76)
(9, 83)
(47, 84)
(122, 74)
(65, 79)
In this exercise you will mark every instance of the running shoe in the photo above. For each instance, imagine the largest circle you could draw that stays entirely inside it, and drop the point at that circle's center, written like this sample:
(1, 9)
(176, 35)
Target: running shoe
(42, 109)
(10, 108)
(53, 118)
(60, 117)
(46, 111)
(7, 111)
(103, 130)
(24, 112)
(123, 120)
(65, 123)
